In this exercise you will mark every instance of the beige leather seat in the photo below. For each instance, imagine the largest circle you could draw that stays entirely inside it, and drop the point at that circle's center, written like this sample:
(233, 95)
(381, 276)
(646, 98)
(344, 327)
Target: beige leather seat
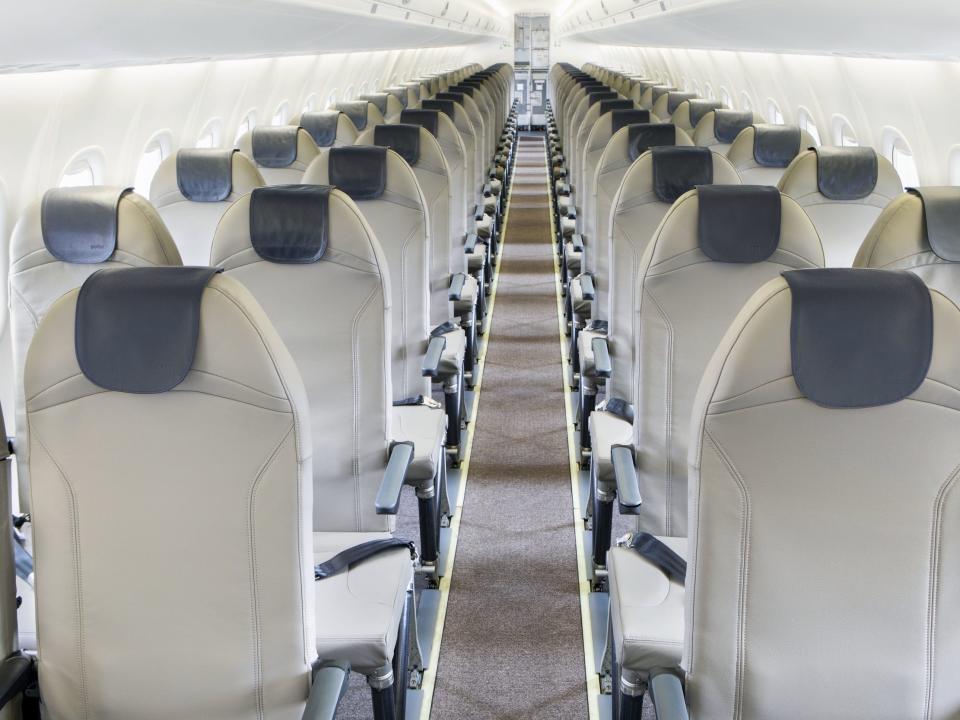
(139, 362)
(193, 189)
(328, 128)
(478, 121)
(573, 146)
(595, 113)
(719, 128)
(400, 93)
(762, 153)
(362, 113)
(300, 249)
(715, 248)
(281, 152)
(867, 611)
(665, 103)
(387, 103)
(843, 190)
(690, 112)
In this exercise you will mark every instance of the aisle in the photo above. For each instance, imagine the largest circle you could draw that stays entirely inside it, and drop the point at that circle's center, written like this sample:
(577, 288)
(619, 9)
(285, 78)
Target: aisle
(512, 644)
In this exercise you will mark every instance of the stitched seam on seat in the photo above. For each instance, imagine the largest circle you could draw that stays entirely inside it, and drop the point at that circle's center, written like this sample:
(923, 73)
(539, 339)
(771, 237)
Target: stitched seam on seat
(355, 390)
(936, 540)
(877, 233)
(670, 352)
(159, 230)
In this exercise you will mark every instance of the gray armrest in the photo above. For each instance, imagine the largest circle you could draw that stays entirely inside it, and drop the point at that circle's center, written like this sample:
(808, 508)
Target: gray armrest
(330, 682)
(666, 691)
(564, 189)
(577, 241)
(394, 477)
(587, 288)
(601, 357)
(628, 483)
(487, 190)
(431, 359)
(572, 212)
(456, 287)
(16, 675)
(471, 244)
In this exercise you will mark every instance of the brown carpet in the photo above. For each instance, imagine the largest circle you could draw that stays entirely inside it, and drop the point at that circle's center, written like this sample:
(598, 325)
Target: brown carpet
(512, 644)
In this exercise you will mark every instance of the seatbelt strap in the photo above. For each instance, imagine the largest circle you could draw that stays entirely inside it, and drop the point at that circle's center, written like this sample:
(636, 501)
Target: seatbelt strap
(657, 553)
(619, 408)
(346, 559)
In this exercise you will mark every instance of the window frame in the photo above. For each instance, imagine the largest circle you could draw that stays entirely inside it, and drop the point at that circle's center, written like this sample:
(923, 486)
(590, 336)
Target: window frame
(248, 122)
(806, 122)
(95, 160)
(214, 128)
(894, 142)
(838, 125)
(163, 141)
(775, 112)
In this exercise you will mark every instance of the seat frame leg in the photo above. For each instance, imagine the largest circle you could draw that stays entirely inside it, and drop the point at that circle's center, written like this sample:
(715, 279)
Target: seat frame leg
(602, 530)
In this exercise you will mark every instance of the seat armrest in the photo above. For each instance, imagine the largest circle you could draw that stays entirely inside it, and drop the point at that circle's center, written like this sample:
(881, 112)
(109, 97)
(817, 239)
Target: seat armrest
(430, 367)
(487, 190)
(471, 244)
(456, 287)
(572, 213)
(17, 673)
(564, 189)
(577, 242)
(666, 691)
(628, 482)
(394, 477)
(330, 681)
(601, 357)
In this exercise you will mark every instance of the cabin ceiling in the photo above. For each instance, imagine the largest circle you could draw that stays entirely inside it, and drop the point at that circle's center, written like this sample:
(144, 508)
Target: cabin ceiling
(922, 29)
(56, 34)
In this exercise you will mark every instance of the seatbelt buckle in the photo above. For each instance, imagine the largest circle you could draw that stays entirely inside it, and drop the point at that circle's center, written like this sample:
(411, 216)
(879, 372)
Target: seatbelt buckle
(625, 540)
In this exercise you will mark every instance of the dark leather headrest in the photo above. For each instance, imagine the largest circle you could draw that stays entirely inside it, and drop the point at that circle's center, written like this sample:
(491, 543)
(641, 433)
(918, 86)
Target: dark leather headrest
(727, 124)
(429, 119)
(676, 99)
(359, 171)
(289, 224)
(594, 98)
(321, 126)
(611, 105)
(643, 136)
(465, 89)
(941, 219)
(400, 94)
(356, 110)
(848, 173)
(275, 146)
(447, 107)
(136, 329)
(402, 139)
(699, 109)
(739, 223)
(456, 97)
(378, 99)
(859, 338)
(775, 145)
(79, 224)
(660, 90)
(622, 118)
(677, 170)
(205, 174)
(646, 85)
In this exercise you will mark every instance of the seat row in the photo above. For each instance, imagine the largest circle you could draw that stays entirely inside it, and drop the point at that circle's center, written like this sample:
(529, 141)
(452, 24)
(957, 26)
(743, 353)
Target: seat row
(241, 429)
(756, 405)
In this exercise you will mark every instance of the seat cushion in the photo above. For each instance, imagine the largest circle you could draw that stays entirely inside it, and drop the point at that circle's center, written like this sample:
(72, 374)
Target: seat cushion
(581, 306)
(585, 349)
(568, 227)
(572, 258)
(471, 287)
(646, 610)
(484, 227)
(477, 258)
(358, 611)
(607, 430)
(424, 426)
(26, 616)
(451, 360)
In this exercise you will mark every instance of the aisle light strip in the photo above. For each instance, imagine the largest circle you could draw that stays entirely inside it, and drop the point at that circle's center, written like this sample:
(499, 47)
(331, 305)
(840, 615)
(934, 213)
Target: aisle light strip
(593, 678)
(430, 674)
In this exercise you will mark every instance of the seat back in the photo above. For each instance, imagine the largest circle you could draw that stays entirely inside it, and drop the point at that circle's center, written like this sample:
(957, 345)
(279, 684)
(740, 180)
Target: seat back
(624, 147)
(642, 91)
(648, 190)
(715, 247)
(762, 153)
(328, 128)
(689, 113)
(474, 164)
(312, 261)
(387, 103)
(155, 392)
(193, 189)
(423, 153)
(399, 92)
(577, 119)
(385, 189)
(362, 113)
(479, 123)
(810, 493)
(281, 152)
(718, 129)
(843, 190)
(596, 110)
(667, 104)
(58, 243)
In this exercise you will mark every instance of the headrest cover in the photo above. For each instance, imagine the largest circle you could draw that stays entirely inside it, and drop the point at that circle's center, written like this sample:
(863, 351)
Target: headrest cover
(699, 108)
(289, 223)
(136, 329)
(359, 171)
(676, 99)
(645, 85)
(356, 110)
(463, 88)
(660, 90)
(447, 107)
(677, 170)
(859, 338)
(644, 136)
(775, 145)
(321, 126)
(402, 139)
(457, 97)
(941, 217)
(204, 174)
(622, 118)
(611, 105)
(275, 147)
(727, 124)
(79, 224)
(429, 119)
(593, 98)
(847, 173)
(378, 99)
(739, 223)
(399, 93)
